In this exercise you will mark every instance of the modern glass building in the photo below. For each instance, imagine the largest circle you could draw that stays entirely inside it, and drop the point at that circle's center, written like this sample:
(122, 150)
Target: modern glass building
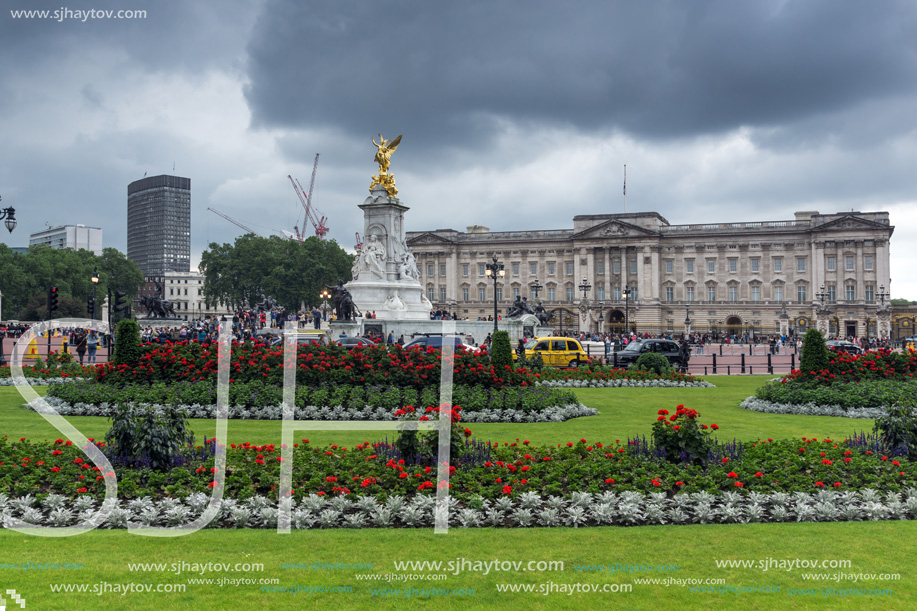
(159, 224)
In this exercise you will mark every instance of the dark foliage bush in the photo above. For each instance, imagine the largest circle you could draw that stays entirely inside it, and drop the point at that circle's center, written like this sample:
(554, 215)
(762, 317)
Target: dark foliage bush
(501, 353)
(814, 356)
(127, 343)
(653, 362)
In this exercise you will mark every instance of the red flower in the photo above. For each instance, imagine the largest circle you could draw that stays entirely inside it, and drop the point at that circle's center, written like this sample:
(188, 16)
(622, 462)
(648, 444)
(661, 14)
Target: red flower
(837, 484)
(739, 484)
(507, 490)
(759, 474)
(732, 474)
(609, 481)
(725, 459)
(676, 427)
(714, 427)
(819, 485)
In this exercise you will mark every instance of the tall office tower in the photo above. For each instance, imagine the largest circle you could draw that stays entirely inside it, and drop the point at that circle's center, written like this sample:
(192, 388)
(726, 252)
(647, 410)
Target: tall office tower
(159, 224)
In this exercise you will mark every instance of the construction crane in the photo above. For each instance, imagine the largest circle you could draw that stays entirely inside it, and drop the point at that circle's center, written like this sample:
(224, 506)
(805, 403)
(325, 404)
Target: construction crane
(359, 242)
(311, 211)
(235, 222)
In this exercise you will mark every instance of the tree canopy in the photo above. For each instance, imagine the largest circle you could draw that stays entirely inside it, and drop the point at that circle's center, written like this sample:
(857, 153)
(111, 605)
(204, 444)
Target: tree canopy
(26, 278)
(290, 271)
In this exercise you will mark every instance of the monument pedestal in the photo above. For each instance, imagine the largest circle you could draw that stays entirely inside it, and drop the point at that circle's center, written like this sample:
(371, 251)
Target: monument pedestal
(385, 274)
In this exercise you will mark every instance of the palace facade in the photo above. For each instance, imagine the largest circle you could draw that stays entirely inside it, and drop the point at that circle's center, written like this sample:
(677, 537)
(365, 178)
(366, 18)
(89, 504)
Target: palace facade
(636, 271)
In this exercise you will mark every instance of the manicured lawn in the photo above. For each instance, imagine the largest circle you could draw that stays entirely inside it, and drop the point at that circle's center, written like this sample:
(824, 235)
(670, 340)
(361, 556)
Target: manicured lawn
(870, 547)
(623, 412)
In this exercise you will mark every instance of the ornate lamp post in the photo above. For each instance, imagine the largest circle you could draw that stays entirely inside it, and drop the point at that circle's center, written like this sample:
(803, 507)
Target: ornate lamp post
(9, 214)
(536, 286)
(627, 297)
(324, 295)
(601, 317)
(584, 286)
(584, 313)
(687, 321)
(493, 271)
(95, 282)
(882, 295)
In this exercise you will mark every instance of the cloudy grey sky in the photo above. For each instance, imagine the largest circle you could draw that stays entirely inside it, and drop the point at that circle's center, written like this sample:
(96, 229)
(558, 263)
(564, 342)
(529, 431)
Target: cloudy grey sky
(515, 115)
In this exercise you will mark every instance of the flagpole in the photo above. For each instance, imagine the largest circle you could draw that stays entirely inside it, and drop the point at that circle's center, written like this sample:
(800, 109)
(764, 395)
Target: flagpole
(625, 188)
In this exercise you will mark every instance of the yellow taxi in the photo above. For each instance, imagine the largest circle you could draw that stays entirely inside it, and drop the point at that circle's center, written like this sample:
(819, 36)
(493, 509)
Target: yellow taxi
(556, 351)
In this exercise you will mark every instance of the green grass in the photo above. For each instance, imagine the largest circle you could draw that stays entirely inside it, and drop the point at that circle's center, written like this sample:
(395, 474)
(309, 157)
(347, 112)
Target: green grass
(623, 412)
(873, 547)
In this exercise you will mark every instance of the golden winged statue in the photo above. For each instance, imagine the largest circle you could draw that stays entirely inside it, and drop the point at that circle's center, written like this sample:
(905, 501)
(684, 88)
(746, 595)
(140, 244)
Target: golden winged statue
(384, 150)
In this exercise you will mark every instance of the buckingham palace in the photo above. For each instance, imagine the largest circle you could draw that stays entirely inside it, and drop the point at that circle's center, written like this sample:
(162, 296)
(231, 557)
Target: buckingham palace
(636, 271)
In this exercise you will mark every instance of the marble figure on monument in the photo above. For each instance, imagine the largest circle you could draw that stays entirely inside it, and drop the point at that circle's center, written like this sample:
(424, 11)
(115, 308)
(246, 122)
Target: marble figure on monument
(373, 257)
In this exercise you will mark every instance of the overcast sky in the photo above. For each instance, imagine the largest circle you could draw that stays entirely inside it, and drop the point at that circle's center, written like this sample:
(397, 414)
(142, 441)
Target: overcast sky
(515, 114)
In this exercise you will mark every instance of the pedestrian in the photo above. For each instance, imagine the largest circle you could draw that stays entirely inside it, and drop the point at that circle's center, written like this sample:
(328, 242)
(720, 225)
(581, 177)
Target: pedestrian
(81, 346)
(391, 338)
(92, 343)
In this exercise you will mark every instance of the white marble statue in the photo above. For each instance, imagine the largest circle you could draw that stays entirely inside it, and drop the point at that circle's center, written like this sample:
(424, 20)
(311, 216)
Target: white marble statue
(373, 257)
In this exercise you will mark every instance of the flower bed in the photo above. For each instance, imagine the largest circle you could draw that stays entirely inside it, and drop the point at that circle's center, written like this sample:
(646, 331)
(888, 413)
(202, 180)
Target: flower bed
(343, 402)
(811, 409)
(528, 509)
(326, 365)
(626, 383)
(491, 471)
(860, 386)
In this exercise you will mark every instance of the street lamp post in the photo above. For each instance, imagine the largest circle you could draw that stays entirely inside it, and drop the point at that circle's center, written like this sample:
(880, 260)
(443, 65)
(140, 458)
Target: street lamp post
(687, 321)
(494, 270)
(584, 287)
(627, 297)
(324, 295)
(95, 283)
(602, 317)
(8, 213)
(536, 286)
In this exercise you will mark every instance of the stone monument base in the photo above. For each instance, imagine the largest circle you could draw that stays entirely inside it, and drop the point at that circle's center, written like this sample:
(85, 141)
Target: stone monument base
(391, 300)
(156, 323)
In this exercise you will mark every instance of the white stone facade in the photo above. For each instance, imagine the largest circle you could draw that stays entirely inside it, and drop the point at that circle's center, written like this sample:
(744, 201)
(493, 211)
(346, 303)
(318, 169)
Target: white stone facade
(726, 277)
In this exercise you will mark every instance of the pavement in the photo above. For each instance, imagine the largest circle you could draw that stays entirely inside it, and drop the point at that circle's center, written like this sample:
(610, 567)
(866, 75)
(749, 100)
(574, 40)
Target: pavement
(56, 346)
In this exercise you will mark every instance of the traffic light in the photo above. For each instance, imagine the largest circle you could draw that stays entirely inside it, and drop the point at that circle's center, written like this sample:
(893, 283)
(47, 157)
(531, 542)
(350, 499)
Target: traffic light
(91, 307)
(52, 299)
(120, 302)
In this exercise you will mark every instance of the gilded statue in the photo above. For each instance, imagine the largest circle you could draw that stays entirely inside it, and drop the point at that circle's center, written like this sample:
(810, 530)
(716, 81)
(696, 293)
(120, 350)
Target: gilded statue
(384, 150)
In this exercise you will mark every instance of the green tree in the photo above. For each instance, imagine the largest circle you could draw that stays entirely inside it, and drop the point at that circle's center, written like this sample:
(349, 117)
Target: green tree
(26, 278)
(814, 355)
(127, 343)
(290, 271)
(501, 353)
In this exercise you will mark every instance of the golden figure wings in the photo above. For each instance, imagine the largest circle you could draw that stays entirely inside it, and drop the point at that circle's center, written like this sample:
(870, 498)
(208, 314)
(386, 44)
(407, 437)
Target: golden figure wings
(383, 157)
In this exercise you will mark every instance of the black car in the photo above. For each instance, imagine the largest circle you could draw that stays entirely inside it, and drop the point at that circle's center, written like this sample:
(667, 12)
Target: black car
(668, 348)
(836, 345)
(353, 342)
(434, 341)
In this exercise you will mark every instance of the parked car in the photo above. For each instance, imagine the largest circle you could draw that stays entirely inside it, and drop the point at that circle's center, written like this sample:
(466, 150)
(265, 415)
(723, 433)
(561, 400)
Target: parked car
(436, 341)
(352, 342)
(556, 351)
(839, 345)
(668, 348)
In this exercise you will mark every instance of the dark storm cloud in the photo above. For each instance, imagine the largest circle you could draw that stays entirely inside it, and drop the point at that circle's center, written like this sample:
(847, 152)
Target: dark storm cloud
(448, 72)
